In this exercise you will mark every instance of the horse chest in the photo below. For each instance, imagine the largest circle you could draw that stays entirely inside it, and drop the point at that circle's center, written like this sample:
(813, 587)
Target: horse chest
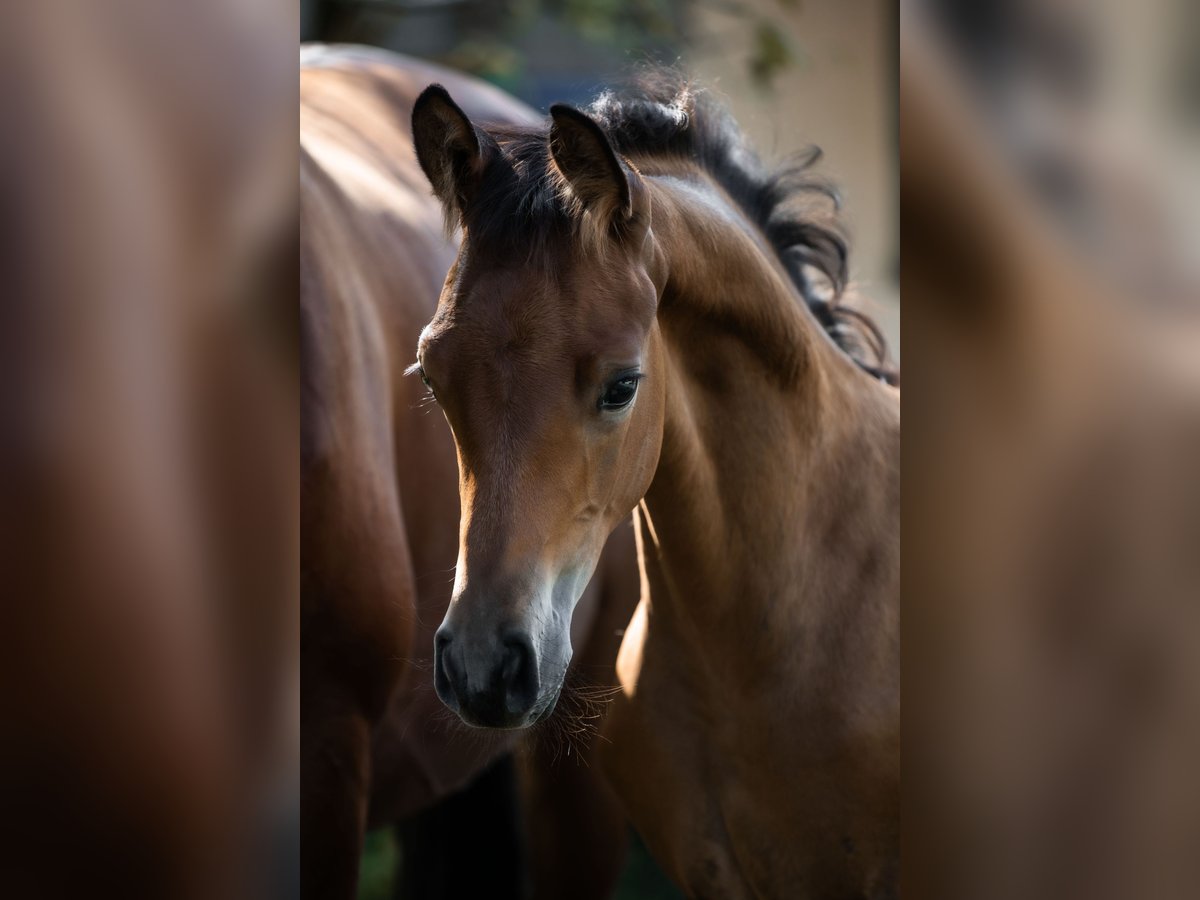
(735, 804)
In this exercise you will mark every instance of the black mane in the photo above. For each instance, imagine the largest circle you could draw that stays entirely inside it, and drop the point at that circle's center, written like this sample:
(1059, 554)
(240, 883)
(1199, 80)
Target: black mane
(661, 114)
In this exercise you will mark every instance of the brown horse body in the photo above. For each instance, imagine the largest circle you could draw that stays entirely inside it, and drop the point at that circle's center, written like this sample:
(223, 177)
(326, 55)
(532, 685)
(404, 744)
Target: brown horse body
(620, 330)
(762, 662)
(379, 506)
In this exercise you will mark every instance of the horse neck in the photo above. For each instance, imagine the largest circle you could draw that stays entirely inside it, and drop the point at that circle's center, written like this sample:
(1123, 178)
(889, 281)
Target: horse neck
(775, 446)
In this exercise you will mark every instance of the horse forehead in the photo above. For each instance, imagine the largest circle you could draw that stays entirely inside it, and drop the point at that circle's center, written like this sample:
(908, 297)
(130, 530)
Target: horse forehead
(510, 318)
(524, 311)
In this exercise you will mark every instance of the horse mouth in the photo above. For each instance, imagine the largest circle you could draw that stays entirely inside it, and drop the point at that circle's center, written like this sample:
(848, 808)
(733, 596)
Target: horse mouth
(546, 708)
(540, 713)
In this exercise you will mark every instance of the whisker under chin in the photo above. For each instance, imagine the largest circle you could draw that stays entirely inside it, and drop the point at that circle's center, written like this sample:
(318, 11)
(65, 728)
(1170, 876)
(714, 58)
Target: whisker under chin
(573, 722)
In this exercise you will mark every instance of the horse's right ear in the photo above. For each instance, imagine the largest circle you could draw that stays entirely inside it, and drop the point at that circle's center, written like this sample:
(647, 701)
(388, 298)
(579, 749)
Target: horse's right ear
(451, 150)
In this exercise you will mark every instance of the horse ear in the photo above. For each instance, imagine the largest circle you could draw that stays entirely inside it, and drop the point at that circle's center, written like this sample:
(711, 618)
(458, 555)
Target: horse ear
(451, 150)
(585, 158)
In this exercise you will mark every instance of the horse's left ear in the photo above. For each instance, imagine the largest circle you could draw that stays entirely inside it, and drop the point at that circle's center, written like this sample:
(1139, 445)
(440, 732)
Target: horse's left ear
(585, 158)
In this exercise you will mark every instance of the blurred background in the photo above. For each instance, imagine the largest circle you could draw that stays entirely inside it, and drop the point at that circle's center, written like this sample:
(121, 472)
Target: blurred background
(1096, 106)
(795, 73)
(1050, 164)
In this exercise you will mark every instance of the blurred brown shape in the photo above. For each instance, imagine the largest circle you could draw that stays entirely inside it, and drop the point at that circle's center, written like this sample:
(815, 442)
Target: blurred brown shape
(1052, 630)
(148, 495)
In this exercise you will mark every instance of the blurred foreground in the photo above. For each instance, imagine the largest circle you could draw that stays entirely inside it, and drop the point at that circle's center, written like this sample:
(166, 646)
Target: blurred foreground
(148, 489)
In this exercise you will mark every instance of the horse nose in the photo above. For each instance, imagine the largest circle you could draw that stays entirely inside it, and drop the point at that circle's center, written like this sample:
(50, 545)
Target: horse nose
(496, 689)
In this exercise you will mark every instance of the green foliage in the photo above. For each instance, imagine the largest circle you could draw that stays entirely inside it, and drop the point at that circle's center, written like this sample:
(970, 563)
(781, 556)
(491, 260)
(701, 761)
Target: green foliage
(611, 21)
(770, 55)
(632, 27)
(377, 868)
(488, 57)
(490, 36)
(640, 880)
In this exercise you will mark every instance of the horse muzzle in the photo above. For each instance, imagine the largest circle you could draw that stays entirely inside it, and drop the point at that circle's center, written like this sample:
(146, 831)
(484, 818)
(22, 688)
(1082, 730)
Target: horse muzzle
(490, 684)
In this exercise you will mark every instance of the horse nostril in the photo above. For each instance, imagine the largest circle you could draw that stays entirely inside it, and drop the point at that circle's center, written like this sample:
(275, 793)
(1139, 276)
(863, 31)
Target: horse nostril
(443, 680)
(519, 674)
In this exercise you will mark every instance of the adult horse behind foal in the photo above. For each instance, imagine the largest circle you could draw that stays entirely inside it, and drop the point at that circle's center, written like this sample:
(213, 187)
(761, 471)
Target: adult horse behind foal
(635, 319)
(379, 505)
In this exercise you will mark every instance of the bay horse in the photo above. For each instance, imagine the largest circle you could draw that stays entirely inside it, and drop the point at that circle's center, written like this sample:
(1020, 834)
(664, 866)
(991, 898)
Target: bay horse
(642, 317)
(379, 506)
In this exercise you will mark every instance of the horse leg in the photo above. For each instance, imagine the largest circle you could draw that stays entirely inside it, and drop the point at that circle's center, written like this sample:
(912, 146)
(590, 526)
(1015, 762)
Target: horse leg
(576, 828)
(485, 819)
(357, 601)
(334, 779)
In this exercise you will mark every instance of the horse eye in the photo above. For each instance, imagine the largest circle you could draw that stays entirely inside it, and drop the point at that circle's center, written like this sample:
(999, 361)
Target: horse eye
(620, 393)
